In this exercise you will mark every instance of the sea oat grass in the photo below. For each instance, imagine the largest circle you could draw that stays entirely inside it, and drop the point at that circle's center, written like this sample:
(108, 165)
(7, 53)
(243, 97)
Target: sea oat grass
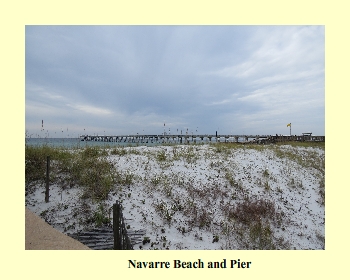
(36, 162)
(321, 191)
(88, 167)
(119, 151)
(305, 144)
(261, 236)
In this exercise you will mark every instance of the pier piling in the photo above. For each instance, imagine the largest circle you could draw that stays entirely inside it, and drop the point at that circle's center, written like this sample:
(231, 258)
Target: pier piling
(170, 138)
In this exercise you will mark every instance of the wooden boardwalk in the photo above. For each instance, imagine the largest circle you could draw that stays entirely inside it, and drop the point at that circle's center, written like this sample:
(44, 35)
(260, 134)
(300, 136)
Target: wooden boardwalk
(103, 238)
(117, 237)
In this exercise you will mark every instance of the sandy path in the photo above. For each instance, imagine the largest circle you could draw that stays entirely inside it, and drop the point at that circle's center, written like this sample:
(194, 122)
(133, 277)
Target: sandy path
(41, 236)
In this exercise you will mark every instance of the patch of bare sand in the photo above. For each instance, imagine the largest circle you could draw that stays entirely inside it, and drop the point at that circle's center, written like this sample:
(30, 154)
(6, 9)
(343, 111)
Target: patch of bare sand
(41, 236)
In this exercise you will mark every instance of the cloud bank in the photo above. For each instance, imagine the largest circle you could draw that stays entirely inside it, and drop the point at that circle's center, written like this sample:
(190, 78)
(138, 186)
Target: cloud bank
(133, 79)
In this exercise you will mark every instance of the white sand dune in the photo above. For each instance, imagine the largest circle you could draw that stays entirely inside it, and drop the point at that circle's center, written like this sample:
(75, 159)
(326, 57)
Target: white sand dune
(207, 197)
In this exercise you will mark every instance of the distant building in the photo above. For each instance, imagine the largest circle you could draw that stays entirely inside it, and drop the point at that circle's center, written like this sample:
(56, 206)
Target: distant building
(307, 136)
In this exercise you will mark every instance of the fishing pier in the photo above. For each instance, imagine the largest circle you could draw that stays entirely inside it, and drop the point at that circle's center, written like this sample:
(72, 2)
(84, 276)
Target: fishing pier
(185, 139)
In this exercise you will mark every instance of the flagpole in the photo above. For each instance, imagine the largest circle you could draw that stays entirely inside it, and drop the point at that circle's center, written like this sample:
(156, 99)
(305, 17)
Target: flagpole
(290, 128)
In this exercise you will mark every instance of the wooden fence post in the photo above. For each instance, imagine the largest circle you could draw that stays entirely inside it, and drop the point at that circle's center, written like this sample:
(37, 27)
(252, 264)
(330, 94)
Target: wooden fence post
(120, 234)
(47, 178)
(116, 226)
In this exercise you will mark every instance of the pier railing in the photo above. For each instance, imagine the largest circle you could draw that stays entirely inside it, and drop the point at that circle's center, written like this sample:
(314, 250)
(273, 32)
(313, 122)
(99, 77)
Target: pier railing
(170, 138)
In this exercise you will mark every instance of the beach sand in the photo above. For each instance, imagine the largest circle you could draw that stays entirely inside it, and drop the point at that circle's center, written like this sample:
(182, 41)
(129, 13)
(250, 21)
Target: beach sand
(184, 197)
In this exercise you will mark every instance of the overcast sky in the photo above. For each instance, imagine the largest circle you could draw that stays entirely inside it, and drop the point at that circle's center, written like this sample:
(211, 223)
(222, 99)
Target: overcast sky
(124, 80)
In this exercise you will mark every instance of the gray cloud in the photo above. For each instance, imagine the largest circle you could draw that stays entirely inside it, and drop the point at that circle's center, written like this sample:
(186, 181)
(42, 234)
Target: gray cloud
(128, 79)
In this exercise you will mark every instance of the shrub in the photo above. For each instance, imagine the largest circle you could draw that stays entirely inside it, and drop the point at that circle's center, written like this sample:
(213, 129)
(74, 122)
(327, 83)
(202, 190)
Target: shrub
(250, 211)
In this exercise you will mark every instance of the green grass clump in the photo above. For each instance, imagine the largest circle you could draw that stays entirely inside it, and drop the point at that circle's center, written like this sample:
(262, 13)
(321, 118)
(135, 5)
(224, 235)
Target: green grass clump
(161, 156)
(321, 191)
(89, 168)
(190, 155)
(36, 162)
(119, 151)
(124, 178)
(165, 211)
(305, 144)
(95, 177)
(261, 236)
(230, 178)
(102, 216)
(307, 159)
(90, 152)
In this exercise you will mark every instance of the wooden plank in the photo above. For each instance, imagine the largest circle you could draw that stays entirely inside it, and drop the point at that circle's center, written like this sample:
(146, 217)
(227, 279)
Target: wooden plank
(91, 233)
(92, 244)
(97, 238)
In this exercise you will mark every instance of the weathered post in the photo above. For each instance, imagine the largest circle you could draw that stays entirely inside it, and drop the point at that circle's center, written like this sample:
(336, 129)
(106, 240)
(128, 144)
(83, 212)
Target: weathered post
(116, 226)
(47, 179)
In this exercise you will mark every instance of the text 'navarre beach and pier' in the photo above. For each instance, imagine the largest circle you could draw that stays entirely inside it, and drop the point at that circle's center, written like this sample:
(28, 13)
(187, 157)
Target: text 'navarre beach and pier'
(186, 264)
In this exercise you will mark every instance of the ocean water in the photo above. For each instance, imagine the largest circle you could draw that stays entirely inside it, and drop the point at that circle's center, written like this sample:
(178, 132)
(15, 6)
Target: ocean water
(53, 142)
(77, 143)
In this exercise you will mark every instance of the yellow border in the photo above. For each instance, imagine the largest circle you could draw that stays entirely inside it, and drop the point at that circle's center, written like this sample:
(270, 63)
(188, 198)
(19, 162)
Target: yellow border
(16, 262)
